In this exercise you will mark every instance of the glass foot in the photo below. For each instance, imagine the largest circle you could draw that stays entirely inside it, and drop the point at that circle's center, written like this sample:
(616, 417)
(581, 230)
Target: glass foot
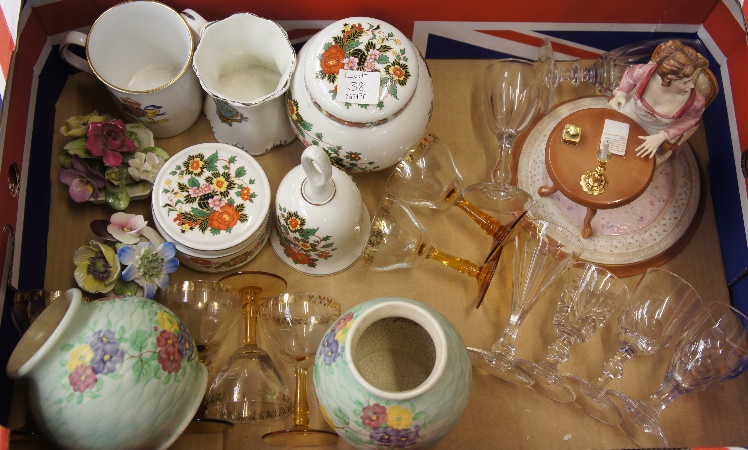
(592, 400)
(498, 366)
(205, 425)
(300, 437)
(546, 382)
(640, 421)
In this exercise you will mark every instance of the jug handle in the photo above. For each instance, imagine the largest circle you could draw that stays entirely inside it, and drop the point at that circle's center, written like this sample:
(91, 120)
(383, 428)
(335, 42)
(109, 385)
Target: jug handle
(196, 22)
(318, 188)
(79, 39)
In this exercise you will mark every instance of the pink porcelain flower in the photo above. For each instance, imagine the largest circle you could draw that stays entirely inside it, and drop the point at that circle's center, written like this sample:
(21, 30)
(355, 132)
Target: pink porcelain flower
(126, 227)
(108, 140)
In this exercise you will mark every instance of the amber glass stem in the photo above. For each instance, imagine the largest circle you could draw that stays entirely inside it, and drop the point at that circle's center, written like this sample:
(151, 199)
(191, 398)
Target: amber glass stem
(250, 308)
(300, 403)
(481, 273)
(487, 223)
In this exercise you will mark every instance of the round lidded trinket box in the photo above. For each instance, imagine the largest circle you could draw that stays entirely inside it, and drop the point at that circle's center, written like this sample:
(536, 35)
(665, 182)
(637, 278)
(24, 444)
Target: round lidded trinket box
(362, 92)
(213, 201)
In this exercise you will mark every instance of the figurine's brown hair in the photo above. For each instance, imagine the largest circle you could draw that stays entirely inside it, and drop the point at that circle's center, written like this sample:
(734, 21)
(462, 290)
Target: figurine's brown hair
(676, 61)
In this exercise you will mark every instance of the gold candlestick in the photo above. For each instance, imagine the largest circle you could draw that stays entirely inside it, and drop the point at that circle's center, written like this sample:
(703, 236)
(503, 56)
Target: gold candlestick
(594, 181)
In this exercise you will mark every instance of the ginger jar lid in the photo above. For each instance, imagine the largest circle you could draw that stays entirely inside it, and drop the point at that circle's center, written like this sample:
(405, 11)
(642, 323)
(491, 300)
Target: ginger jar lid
(211, 197)
(361, 71)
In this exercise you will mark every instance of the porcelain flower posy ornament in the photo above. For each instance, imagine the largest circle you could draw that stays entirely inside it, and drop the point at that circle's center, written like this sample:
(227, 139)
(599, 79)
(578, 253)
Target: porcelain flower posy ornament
(133, 259)
(108, 154)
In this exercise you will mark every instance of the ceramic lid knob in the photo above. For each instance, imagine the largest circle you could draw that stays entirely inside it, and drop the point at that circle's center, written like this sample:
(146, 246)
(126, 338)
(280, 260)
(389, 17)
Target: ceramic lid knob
(318, 188)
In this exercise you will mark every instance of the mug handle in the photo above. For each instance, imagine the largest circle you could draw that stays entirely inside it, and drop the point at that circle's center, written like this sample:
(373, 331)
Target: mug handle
(79, 39)
(196, 23)
(319, 188)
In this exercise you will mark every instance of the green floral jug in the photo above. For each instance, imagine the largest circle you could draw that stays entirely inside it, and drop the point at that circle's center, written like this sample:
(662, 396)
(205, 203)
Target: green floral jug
(109, 374)
(392, 372)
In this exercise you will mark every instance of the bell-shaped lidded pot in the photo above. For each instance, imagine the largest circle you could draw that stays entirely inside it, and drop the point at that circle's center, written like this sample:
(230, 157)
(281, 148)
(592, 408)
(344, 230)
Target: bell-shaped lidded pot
(392, 371)
(321, 220)
(117, 373)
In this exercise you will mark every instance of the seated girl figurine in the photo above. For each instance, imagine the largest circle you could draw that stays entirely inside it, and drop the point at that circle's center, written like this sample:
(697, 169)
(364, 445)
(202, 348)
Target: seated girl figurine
(662, 96)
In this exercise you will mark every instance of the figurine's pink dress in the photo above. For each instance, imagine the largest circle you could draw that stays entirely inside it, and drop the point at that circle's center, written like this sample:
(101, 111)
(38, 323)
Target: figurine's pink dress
(634, 82)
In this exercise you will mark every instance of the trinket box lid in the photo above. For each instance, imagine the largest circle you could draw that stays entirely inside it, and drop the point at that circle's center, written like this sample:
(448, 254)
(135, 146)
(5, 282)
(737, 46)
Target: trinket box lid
(211, 197)
(365, 45)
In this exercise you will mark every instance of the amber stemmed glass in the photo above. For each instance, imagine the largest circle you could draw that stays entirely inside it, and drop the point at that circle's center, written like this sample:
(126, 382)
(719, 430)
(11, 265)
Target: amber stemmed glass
(660, 307)
(398, 240)
(541, 255)
(428, 177)
(512, 93)
(295, 324)
(713, 349)
(590, 295)
(249, 388)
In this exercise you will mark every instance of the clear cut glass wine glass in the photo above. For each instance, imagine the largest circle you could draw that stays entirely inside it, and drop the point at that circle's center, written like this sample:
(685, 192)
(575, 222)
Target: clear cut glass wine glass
(428, 177)
(249, 388)
(511, 101)
(660, 307)
(295, 324)
(541, 255)
(604, 73)
(398, 240)
(589, 296)
(713, 349)
(209, 310)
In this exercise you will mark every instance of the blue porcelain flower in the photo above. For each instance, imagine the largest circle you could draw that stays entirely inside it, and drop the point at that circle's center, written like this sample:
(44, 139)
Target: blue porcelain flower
(148, 265)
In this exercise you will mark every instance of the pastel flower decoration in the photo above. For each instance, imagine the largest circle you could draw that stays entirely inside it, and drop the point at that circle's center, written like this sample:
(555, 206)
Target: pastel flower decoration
(82, 378)
(167, 321)
(108, 140)
(80, 355)
(144, 166)
(398, 417)
(96, 267)
(83, 181)
(77, 126)
(126, 227)
(148, 265)
(374, 416)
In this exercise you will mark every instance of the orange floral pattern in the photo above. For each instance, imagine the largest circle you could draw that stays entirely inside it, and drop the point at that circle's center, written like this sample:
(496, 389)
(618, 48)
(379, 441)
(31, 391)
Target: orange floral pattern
(210, 193)
(302, 245)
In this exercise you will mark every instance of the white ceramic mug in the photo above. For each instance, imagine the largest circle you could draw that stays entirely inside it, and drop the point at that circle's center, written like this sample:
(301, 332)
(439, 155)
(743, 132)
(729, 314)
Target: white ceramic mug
(142, 51)
(245, 64)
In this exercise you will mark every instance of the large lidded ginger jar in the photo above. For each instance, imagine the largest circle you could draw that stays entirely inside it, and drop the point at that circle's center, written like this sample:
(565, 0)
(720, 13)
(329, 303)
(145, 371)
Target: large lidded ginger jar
(392, 372)
(361, 91)
(118, 373)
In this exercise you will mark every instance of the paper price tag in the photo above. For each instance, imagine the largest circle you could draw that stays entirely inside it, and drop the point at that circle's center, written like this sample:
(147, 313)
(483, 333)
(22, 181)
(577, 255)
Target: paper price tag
(358, 87)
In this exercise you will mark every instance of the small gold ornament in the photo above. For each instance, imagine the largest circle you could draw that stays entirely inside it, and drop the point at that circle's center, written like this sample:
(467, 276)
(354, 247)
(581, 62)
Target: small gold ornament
(571, 134)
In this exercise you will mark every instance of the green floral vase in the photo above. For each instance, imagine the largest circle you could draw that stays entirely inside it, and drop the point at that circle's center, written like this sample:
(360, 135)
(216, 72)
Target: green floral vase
(392, 372)
(117, 373)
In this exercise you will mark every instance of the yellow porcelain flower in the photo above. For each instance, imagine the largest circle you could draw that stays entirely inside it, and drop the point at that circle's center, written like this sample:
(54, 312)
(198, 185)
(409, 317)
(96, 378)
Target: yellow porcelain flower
(97, 268)
(77, 126)
(399, 418)
(167, 322)
(82, 354)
